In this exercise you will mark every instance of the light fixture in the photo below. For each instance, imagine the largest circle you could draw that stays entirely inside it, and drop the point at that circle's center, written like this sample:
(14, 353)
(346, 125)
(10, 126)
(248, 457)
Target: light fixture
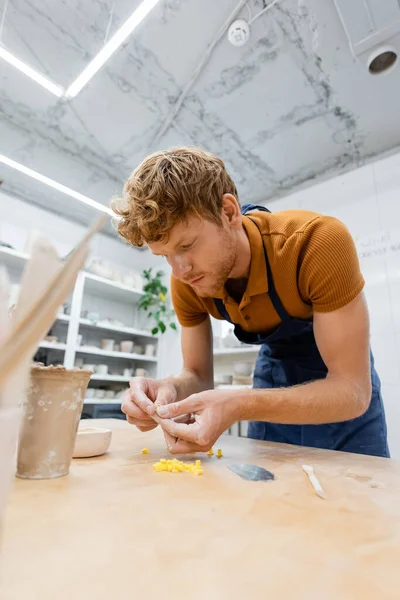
(54, 184)
(40, 79)
(112, 45)
(382, 60)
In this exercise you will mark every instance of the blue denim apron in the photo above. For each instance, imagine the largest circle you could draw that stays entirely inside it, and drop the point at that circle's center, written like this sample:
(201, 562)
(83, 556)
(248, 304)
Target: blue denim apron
(290, 356)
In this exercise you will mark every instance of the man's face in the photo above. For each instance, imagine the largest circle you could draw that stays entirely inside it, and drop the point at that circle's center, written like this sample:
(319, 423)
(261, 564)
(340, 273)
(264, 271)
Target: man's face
(201, 254)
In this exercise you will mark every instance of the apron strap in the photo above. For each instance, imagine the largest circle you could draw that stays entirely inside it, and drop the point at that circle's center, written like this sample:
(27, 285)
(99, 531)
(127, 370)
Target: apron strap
(250, 207)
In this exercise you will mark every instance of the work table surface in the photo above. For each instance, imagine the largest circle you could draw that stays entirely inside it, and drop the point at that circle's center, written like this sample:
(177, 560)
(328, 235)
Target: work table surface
(115, 528)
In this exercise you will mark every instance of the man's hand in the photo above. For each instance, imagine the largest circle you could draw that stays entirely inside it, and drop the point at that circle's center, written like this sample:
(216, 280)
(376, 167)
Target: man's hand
(205, 417)
(144, 395)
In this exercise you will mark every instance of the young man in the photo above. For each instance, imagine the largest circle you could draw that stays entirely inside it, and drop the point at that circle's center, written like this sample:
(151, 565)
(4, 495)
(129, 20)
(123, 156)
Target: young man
(289, 281)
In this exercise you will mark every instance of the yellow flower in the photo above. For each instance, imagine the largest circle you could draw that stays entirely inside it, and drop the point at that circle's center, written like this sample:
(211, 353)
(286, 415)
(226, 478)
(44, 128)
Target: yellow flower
(162, 297)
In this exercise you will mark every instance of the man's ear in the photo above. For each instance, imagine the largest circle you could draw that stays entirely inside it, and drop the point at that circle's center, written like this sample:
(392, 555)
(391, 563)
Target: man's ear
(231, 210)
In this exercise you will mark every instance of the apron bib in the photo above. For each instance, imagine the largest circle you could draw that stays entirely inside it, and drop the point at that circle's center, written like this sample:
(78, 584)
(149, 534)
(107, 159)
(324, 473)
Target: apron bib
(289, 356)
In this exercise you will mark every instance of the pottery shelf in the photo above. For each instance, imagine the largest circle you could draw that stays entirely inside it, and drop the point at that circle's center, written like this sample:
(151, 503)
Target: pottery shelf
(112, 301)
(100, 352)
(13, 259)
(62, 317)
(116, 378)
(125, 330)
(228, 351)
(53, 345)
(107, 288)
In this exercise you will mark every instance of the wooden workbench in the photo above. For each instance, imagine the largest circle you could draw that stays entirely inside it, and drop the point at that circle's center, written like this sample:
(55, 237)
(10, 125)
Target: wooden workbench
(116, 529)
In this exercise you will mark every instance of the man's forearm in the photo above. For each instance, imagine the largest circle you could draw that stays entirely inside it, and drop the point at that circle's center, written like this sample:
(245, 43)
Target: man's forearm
(188, 383)
(329, 400)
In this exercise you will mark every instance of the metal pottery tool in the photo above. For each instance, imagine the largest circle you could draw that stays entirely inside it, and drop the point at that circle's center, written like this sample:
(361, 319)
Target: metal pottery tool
(252, 472)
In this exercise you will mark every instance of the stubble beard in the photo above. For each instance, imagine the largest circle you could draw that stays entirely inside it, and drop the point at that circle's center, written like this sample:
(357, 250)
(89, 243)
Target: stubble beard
(221, 269)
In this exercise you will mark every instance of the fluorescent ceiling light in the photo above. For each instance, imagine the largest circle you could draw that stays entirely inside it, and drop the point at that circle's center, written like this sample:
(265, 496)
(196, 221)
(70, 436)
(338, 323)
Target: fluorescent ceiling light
(54, 184)
(40, 79)
(112, 45)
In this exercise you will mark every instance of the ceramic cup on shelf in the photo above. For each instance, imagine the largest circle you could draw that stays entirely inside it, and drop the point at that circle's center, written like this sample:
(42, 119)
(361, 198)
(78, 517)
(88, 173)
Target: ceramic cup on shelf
(99, 394)
(90, 393)
(141, 372)
(93, 317)
(244, 369)
(107, 344)
(117, 348)
(79, 339)
(150, 350)
(137, 349)
(79, 363)
(126, 346)
(88, 367)
(109, 394)
(224, 380)
(101, 369)
(128, 372)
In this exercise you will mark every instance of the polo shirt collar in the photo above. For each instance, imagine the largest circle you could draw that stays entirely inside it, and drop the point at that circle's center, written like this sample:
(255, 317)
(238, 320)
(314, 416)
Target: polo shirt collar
(258, 281)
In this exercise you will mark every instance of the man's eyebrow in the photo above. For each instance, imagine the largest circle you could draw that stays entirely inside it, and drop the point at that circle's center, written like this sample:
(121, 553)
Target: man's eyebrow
(179, 242)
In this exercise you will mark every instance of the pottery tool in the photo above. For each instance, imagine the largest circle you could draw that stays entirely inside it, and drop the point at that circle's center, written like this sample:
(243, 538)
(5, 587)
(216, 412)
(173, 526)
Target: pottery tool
(252, 472)
(314, 481)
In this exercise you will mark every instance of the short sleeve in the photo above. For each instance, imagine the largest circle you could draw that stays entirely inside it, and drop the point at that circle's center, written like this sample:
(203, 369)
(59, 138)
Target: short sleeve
(188, 307)
(329, 269)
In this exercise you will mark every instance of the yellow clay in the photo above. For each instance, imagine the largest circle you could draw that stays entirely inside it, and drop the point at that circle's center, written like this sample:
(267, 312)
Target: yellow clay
(178, 466)
(210, 452)
(145, 450)
(219, 453)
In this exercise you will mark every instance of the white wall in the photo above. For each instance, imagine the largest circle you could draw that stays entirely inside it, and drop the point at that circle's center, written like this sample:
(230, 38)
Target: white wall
(17, 218)
(368, 202)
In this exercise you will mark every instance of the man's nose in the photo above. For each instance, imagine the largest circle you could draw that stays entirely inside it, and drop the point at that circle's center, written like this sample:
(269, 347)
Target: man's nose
(180, 267)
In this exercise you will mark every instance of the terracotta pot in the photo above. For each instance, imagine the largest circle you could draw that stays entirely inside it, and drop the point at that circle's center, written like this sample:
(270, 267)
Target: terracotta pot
(51, 412)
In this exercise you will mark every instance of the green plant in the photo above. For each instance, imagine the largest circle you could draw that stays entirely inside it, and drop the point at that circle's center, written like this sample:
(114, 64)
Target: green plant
(154, 301)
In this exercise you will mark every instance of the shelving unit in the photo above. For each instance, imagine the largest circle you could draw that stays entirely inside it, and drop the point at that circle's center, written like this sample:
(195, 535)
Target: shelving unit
(53, 345)
(12, 259)
(114, 378)
(127, 330)
(100, 352)
(109, 289)
(112, 301)
(252, 350)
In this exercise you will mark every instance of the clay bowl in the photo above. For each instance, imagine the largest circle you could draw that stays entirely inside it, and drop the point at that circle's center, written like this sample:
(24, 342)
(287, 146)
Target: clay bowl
(92, 441)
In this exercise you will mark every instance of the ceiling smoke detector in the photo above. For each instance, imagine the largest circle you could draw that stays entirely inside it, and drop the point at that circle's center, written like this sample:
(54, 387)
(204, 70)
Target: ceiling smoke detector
(239, 32)
(382, 60)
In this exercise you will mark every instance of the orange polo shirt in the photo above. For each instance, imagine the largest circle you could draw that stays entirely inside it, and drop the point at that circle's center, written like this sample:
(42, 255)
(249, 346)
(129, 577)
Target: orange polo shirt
(314, 266)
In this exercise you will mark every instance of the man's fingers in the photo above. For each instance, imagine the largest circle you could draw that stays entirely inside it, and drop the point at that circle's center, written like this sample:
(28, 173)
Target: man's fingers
(182, 447)
(188, 419)
(165, 395)
(137, 388)
(178, 409)
(188, 433)
(143, 425)
(147, 428)
(131, 409)
(169, 440)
